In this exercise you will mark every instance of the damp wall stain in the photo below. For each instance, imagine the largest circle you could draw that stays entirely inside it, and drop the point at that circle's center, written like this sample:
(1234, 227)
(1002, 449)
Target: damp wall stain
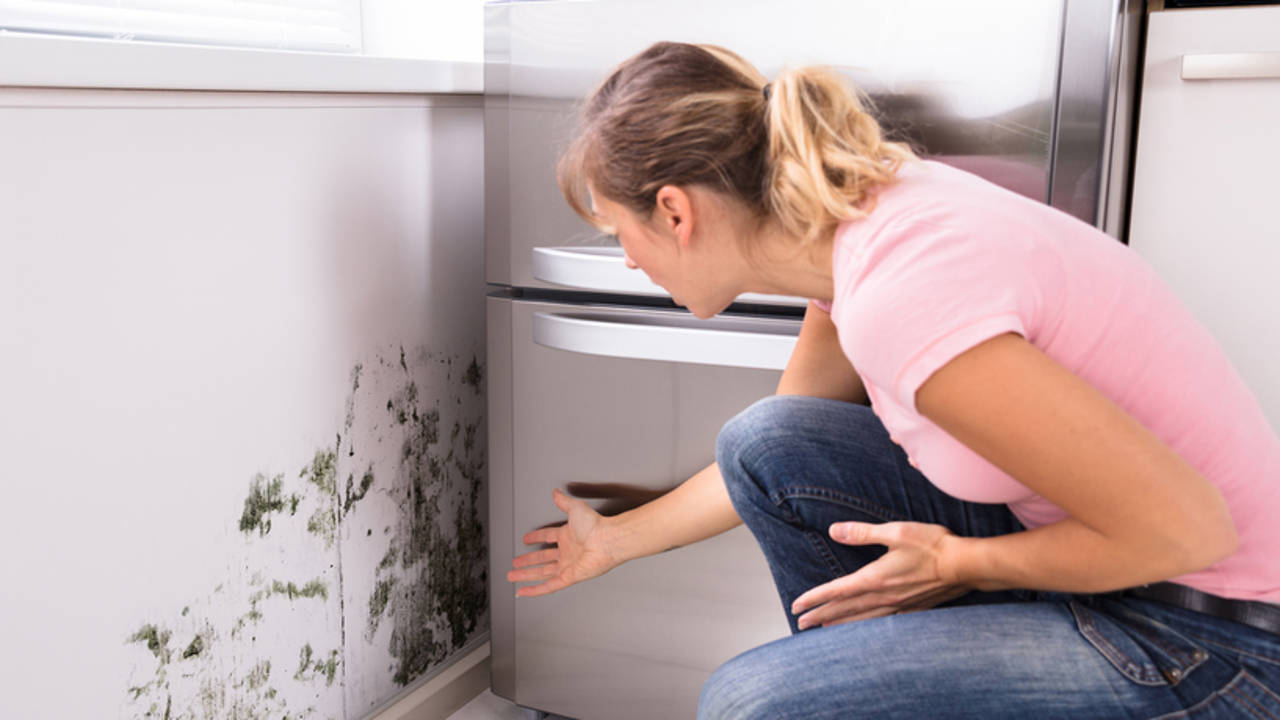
(428, 595)
(352, 614)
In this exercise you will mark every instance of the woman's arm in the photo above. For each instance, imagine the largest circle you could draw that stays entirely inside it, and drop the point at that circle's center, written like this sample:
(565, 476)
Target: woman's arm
(1138, 512)
(698, 508)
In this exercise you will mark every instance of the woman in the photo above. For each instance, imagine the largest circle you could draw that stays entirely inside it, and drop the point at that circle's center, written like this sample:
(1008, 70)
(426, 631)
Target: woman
(1050, 439)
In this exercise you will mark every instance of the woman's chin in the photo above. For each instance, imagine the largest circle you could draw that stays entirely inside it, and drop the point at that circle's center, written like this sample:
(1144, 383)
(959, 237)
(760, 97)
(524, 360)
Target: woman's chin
(704, 311)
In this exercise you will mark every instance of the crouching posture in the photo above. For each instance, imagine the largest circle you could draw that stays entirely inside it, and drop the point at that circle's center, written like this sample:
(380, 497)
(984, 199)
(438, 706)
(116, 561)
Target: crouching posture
(1006, 472)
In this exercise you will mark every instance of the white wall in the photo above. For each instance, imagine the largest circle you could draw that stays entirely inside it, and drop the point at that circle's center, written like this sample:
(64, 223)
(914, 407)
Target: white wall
(191, 285)
(434, 29)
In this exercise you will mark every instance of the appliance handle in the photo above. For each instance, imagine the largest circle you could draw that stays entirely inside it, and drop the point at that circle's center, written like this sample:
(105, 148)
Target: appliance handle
(636, 338)
(604, 269)
(1231, 66)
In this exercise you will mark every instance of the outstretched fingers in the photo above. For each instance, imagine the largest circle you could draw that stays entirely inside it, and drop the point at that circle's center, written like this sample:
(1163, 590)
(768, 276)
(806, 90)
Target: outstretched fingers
(542, 535)
(534, 573)
(537, 557)
(844, 587)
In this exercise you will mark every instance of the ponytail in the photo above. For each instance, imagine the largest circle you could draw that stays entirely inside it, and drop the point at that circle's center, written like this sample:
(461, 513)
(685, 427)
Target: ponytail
(826, 154)
(805, 152)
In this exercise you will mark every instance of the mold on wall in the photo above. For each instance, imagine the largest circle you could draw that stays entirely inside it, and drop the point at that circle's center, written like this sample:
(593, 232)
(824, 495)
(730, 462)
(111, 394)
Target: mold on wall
(360, 569)
(416, 591)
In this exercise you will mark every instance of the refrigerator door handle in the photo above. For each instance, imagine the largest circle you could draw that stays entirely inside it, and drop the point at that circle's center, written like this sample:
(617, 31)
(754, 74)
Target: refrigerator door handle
(1231, 66)
(603, 268)
(591, 267)
(669, 340)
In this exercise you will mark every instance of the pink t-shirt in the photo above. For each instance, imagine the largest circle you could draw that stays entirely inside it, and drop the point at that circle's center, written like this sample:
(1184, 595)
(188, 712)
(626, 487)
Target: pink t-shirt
(947, 260)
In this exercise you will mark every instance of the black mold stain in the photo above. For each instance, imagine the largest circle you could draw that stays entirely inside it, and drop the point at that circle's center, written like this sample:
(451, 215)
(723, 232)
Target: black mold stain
(195, 648)
(352, 496)
(474, 375)
(430, 585)
(434, 574)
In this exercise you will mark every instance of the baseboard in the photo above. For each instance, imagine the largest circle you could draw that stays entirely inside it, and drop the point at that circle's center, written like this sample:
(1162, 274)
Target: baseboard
(442, 695)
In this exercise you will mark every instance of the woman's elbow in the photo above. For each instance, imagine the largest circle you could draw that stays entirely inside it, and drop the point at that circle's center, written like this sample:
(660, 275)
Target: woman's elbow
(1215, 539)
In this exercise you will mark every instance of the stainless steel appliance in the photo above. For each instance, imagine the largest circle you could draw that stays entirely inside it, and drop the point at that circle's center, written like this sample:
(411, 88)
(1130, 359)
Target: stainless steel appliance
(598, 381)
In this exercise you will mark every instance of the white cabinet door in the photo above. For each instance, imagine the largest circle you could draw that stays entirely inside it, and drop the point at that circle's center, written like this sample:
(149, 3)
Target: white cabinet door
(1206, 189)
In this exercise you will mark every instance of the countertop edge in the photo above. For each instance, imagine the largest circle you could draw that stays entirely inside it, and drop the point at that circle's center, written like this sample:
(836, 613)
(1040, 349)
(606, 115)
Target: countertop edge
(31, 60)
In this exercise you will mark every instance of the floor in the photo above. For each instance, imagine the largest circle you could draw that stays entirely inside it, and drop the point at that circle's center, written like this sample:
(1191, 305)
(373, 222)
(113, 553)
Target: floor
(487, 706)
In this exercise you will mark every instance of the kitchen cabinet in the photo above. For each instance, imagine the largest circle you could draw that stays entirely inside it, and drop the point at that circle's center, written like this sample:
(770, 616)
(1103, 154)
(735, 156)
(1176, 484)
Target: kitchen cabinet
(1204, 187)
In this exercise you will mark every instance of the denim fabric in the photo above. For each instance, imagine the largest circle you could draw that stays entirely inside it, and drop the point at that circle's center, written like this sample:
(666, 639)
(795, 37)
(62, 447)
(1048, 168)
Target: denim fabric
(794, 465)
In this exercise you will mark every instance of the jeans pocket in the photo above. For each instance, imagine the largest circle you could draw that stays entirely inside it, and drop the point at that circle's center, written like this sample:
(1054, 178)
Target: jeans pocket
(1243, 697)
(1145, 651)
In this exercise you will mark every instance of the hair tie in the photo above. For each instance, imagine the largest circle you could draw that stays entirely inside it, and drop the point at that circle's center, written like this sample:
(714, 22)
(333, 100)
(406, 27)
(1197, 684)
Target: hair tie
(767, 91)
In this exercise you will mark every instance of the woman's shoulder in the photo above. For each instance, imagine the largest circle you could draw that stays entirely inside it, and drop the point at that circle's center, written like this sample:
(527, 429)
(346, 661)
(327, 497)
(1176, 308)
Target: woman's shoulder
(932, 197)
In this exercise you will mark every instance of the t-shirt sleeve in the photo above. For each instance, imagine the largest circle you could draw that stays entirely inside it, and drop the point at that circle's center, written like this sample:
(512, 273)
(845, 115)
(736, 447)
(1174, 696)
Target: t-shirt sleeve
(932, 295)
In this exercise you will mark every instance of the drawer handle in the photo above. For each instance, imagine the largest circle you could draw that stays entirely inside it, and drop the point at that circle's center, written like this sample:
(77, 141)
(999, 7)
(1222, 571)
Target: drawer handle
(601, 268)
(637, 339)
(1231, 66)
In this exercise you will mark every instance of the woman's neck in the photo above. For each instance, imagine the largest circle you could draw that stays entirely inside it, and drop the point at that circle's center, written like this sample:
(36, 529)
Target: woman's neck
(778, 263)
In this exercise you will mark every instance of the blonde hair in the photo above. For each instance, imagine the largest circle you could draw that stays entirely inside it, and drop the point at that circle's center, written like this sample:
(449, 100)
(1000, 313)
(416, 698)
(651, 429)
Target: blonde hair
(806, 152)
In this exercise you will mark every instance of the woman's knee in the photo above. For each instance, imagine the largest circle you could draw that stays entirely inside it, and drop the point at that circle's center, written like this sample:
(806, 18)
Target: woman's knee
(746, 438)
(734, 691)
(762, 683)
(759, 444)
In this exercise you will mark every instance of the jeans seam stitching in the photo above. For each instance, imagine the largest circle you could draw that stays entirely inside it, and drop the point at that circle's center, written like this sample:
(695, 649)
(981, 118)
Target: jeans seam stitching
(1258, 684)
(833, 564)
(1246, 703)
(1216, 694)
(1136, 672)
(1233, 648)
(1188, 662)
(793, 491)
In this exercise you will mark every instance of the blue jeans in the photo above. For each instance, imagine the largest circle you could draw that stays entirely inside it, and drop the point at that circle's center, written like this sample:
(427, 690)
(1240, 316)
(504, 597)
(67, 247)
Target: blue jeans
(794, 465)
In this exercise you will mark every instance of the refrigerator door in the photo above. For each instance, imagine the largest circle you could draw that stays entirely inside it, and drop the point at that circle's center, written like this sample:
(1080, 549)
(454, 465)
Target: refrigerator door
(620, 405)
(1022, 93)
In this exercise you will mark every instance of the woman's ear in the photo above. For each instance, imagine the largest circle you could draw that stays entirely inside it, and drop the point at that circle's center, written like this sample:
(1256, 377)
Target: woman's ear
(674, 213)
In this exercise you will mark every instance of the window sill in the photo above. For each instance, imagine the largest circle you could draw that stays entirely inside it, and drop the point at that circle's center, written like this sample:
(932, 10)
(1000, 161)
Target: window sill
(54, 61)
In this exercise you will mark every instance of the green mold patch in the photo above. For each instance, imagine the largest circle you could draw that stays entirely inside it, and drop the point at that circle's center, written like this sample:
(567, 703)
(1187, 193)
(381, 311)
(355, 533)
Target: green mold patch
(324, 523)
(195, 648)
(156, 640)
(322, 472)
(310, 668)
(313, 588)
(266, 497)
(258, 675)
(426, 598)
(378, 600)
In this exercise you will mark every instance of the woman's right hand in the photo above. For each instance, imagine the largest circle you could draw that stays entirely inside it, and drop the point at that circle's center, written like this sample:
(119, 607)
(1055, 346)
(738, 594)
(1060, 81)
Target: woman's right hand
(580, 551)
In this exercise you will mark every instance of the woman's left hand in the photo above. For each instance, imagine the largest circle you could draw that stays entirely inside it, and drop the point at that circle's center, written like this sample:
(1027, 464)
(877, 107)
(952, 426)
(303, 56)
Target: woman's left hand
(907, 578)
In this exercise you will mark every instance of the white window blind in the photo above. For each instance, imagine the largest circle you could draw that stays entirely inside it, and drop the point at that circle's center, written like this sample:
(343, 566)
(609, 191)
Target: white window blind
(317, 25)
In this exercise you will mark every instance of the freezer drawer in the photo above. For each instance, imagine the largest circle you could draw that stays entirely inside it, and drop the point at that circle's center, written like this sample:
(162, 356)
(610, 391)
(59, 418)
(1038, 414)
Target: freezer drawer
(627, 403)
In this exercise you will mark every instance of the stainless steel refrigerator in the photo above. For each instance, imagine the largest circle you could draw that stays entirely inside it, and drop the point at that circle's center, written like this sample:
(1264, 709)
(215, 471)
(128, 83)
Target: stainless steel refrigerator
(598, 383)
